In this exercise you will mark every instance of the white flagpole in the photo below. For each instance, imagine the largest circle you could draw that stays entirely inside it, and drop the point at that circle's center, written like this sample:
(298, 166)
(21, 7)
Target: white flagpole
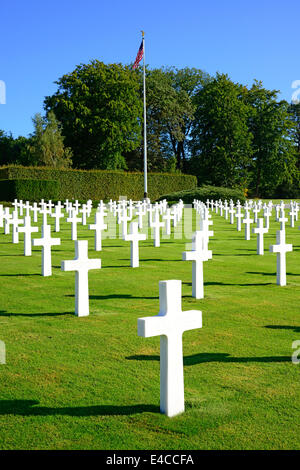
(145, 123)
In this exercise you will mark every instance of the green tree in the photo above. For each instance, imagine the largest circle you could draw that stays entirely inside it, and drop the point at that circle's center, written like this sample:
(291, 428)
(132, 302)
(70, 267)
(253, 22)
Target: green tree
(14, 151)
(100, 110)
(47, 143)
(221, 142)
(274, 158)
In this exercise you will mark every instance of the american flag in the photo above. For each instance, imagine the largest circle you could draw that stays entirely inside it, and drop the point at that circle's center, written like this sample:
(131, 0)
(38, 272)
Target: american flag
(139, 56)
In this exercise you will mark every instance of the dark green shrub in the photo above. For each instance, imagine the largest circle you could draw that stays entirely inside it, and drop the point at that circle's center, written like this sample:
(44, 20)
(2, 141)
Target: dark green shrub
(205, 192)
(103, 184)
(28, 189)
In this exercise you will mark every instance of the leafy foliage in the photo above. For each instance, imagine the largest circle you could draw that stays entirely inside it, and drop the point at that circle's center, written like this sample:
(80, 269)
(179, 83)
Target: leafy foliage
(28, 189)
(82, 184)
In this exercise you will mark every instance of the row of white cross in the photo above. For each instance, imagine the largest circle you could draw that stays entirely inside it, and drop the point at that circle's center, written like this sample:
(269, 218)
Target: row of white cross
(170, 323)
(281, 247)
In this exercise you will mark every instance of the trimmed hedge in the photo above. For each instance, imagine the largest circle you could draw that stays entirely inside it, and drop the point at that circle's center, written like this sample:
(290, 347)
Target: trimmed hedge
(102, 184)
(28, 189)
(205, 192)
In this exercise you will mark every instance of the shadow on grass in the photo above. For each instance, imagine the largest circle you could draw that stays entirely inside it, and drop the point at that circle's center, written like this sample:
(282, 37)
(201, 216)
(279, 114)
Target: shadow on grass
(271, 274)
(214, 357)
(30, 408)
(21, 275)
(114, 296)
(296, 329)
(46, 314)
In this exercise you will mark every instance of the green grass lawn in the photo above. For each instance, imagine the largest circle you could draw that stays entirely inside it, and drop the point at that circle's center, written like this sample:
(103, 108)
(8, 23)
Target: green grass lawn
(92, 383)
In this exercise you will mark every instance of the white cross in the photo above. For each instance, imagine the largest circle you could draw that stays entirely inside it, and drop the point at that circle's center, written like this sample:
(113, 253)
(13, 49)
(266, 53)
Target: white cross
(46, 242)
(7, 216)
(247, 221)
(267, 217)
(44, 211)
(15, 221)
(156, 225)
(81, 265)
(292, 215)
(27, 229)
(281, 248)
(74, 221)
(198, 254)
(260, 230)
(134, 238)
(170, 324)
(98, 226)
(57, 214)
(232, 212)
(282, 219)
(168, 217)
(239, 217)
(35, 209)
(124, 218)
(255, 211)
(27, 207)
(84, 211)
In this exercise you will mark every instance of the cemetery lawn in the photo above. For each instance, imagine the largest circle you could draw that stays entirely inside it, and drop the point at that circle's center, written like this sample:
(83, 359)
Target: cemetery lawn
(92, 383)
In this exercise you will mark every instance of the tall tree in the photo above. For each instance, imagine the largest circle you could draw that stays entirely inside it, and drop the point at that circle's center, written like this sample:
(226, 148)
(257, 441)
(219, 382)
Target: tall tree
(47, 144)
(221, 142)
(100, 109)
(274, 159)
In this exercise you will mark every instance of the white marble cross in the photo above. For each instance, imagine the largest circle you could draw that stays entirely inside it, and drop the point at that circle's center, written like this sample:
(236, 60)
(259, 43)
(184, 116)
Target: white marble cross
(281, 248)
(81, 265)
(74, 221)
(247, 221)
(134, 237)
(255, 211)
(260, 230)
(46, 242)
(292, 215)
(98, 226)
(7, 217)
(84, 211)
(198, 254)
(27, 229)
(170, 324)
(156, 224)
(57, 214)
(124, 218)
(239, 217)
(168, 217)
(35, 209)
(232, 212)
(15, 222)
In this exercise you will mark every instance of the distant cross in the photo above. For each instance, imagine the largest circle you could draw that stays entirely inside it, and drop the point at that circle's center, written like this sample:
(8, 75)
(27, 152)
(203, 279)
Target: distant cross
(124, 218)
(7, 217)
(281, 248)
(168, 217)
(282, 219)
(256, 211)
(27, 229)
(84, 211)
(15, 222)
(260, 230)
(44, 211)
(74, 220)
(247, 221)
(27, 208)
(134, 237)
(170, 324)
(98, 226)
(198, 254)
(57, 214)
(292, 215)
(21, 205)
(156, 225)
(81, 265)
(239, 217)
(232, 212)
(267, 217)
(35, 209)
(46, 242)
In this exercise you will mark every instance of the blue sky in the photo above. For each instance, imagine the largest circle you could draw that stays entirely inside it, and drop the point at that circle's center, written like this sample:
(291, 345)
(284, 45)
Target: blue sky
(41, 41)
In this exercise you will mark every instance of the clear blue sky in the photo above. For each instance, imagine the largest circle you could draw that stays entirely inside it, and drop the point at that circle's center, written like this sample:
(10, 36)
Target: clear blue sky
(42, 40)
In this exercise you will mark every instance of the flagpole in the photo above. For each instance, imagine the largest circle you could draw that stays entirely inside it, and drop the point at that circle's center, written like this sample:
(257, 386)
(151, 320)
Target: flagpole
(145, 122)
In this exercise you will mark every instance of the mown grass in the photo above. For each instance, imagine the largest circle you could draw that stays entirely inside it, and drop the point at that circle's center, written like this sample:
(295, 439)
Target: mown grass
(92, 383)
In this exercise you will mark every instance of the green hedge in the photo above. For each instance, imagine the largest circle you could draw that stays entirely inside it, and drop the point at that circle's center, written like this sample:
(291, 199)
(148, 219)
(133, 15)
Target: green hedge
(28, 189)
(203, 193)
(102, 184)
